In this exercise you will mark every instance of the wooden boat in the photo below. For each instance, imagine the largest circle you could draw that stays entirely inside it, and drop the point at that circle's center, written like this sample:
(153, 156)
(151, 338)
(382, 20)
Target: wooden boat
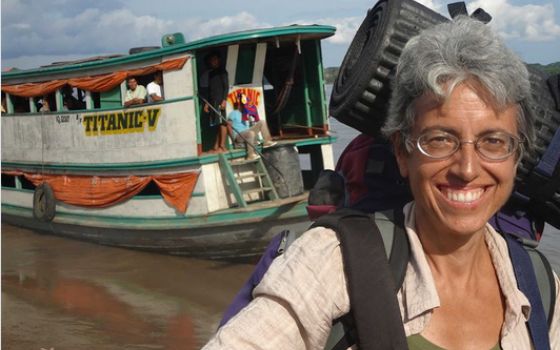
(88, 167)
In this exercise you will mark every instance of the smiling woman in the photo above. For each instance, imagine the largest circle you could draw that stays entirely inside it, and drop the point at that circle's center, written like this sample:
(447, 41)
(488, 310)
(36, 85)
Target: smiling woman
(459, 119)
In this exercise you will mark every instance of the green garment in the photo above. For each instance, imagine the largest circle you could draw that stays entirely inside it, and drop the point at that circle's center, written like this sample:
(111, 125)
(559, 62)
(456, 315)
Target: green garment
(418, 342)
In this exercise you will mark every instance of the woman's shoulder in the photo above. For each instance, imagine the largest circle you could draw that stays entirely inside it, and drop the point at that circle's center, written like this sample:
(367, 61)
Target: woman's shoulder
(312, 263)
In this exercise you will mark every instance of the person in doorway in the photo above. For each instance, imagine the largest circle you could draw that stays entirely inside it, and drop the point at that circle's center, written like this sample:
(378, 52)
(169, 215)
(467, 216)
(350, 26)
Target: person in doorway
(136, 94)
(214, 88)
(155, 89)
(248, 134)
(460, 119)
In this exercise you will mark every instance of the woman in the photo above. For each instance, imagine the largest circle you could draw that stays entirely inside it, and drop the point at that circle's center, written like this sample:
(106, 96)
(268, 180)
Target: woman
(459, 120)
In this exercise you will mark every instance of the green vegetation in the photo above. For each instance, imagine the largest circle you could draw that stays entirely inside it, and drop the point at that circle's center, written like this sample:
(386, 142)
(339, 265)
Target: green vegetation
(330, 74)
(552, 68)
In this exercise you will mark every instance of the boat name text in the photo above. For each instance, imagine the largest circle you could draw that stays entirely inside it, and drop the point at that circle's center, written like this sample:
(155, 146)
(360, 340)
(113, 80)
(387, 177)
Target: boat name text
(121, 122)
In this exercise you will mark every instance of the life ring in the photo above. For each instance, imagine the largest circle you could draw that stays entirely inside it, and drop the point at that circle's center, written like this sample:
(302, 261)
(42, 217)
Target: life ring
(44, 203)
(361, 90)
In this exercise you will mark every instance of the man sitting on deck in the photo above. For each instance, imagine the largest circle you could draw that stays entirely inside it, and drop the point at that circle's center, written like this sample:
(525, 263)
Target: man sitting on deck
(246, 134)
(136, 94)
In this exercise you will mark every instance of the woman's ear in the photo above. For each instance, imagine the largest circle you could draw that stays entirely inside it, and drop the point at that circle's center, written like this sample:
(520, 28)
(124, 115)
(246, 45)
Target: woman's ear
(401, 154)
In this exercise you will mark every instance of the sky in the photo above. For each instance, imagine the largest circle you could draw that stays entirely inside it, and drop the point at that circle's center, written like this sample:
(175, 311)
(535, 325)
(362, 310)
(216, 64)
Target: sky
(38, 32)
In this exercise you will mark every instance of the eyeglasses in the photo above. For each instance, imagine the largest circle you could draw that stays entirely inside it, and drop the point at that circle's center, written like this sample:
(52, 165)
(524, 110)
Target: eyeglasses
(440, 144)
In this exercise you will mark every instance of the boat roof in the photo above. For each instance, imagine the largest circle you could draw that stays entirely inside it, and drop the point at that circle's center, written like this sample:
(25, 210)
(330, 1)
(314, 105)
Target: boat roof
(280, 34)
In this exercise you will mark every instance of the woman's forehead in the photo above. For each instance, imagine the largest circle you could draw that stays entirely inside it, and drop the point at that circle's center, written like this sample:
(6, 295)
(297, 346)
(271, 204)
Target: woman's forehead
(463, 106)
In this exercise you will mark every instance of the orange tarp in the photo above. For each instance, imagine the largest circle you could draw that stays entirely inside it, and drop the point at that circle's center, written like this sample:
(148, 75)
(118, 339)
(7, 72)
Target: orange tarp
(98, 83)
(105, 191)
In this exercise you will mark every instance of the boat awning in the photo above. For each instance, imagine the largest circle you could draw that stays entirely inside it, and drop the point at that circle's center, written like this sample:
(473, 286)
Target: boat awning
(97, 83)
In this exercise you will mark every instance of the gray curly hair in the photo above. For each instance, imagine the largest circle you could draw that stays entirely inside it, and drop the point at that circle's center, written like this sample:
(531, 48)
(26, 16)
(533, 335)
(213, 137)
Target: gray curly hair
(452, 53)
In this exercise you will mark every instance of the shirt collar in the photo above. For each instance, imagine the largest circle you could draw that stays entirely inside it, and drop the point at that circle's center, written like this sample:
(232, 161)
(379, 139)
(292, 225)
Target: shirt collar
(419, 288)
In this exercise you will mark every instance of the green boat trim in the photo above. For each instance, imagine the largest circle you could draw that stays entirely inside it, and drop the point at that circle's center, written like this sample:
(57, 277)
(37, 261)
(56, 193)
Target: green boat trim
(318, 31)
(216, 219)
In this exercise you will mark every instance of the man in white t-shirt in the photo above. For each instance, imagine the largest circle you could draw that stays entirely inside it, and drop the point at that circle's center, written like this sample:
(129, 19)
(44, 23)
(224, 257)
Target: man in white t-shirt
(154, 89)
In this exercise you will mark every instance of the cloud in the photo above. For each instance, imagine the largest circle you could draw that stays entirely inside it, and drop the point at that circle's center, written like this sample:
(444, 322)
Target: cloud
(64, 28)
(31, 28)
(198, 28)
(345, 28)
(31, 35)
(526, 22)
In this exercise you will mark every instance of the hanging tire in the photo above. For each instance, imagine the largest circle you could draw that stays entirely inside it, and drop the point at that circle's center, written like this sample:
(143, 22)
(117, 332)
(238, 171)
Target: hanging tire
(546, 121)
(542, 190)
(44, 203)
(361, 91)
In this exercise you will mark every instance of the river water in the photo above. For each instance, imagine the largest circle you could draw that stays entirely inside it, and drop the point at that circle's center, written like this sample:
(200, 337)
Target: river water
(59, 293)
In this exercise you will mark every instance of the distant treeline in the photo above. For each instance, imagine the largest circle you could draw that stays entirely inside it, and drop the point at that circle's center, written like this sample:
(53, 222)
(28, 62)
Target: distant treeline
(331, 73)
(553, 68)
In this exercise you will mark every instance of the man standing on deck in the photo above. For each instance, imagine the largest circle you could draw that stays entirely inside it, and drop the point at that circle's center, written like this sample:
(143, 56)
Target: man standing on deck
(215, 87)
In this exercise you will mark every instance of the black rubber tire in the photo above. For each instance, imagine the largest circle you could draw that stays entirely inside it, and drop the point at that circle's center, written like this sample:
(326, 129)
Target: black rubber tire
(544, 194)
(361, 91)
(135, 50)
(44, 203)
(546, 121)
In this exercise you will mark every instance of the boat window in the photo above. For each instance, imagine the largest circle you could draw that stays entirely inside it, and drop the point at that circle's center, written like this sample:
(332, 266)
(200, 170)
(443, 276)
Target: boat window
(4, 104)
(26, 184)
(46, 103)
(8, 180)
(142, 80)
(73, 98)
(21, 104)
(245, 64)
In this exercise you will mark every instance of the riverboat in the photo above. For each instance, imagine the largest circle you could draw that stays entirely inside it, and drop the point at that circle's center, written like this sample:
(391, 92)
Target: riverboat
(76, 162)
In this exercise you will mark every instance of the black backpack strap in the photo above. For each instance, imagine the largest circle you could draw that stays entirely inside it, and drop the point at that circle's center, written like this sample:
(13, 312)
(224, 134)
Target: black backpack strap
(525, 274)
(372, 289)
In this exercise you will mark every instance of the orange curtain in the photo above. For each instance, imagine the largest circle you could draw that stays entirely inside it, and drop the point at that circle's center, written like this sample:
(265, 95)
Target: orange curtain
(105, 191)
(91, 191)
(34, 89)
(98, 83)
(177, 189)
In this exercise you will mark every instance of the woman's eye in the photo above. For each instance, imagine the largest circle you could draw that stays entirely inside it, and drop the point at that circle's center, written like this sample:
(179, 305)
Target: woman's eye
(493, 140)
(440, 140)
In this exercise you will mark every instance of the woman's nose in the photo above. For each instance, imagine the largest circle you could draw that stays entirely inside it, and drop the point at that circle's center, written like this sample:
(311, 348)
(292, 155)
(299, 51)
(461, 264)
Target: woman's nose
(466, 162)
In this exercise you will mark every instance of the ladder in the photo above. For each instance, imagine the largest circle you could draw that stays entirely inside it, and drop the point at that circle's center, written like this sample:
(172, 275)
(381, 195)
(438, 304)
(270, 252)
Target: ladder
(246, 178)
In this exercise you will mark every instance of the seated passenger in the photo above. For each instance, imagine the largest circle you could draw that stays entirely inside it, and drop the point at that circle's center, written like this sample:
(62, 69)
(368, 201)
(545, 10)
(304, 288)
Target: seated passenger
(136, 94)
(246, 134)
(155, 93)
(44, 105)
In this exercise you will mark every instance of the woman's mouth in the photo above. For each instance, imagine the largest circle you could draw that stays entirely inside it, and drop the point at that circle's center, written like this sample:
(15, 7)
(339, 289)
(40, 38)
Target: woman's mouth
(462, 196)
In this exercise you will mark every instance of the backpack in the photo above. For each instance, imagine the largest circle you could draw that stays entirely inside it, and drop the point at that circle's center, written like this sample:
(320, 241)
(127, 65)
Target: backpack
(379, 240)
(367, 179)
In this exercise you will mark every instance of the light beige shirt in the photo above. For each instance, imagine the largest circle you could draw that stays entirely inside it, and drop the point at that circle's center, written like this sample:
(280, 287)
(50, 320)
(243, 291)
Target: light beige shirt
(305, 289)
(139, 92)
